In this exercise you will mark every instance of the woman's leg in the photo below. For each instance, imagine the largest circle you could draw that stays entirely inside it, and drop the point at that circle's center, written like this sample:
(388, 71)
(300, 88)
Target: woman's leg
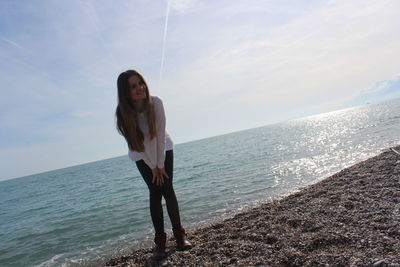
(155, 196)
(172, 204)
(168, 191)
(156, 192)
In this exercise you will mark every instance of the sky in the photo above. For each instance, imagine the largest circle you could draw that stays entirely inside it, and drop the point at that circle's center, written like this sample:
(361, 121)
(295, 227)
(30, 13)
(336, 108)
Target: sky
(219, 67)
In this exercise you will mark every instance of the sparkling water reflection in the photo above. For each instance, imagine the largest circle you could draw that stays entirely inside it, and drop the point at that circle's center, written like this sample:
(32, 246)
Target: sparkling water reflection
(85, 212)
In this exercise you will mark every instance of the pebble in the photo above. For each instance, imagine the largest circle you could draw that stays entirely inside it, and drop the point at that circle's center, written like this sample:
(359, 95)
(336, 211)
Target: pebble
(275, 233)
(380, 263)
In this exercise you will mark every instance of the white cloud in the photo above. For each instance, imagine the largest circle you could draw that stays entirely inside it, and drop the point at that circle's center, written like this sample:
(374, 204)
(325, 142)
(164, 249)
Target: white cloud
(181, 5)
(321, 59)
(228, 65)
(318, 51)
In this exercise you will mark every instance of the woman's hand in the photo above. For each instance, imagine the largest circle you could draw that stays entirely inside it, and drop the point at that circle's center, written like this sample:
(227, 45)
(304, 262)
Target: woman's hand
(158, 176)
(163, 172)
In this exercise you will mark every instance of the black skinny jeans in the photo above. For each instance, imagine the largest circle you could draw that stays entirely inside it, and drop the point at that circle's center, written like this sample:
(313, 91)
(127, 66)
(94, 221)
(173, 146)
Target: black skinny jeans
(166, 191)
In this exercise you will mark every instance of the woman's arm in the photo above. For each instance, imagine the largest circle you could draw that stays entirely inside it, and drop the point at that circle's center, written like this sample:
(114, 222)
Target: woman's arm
(144, 156)
(160, 124)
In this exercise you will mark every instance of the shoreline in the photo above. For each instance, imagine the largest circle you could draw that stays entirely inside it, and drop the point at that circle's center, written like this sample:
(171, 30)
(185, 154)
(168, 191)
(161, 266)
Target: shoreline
(349, 218)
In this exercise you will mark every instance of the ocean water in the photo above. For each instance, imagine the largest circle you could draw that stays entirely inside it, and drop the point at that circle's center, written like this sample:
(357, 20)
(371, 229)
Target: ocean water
(83, 214)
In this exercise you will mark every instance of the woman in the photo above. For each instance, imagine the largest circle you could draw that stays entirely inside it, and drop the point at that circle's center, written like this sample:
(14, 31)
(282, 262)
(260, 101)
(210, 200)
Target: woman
(141, 120)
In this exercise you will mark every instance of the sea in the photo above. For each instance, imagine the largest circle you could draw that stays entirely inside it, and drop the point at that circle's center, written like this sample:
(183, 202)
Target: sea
(82, 215)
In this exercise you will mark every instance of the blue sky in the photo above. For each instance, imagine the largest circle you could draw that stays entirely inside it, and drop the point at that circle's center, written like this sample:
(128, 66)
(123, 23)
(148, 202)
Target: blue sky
(227, 66)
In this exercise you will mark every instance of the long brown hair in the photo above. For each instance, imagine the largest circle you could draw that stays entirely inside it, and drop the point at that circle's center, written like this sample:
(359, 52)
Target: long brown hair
(127, 123)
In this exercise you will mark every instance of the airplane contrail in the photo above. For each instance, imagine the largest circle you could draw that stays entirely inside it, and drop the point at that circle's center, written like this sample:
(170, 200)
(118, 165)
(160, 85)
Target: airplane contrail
(164, 41)
(11, 42)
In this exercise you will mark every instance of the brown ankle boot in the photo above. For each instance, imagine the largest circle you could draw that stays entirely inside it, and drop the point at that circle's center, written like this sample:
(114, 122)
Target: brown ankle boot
(181, 241)
(159, 251)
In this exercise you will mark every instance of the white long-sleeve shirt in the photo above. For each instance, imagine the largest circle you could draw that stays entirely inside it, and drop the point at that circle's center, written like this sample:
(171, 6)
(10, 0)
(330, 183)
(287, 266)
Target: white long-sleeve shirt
(154, 149)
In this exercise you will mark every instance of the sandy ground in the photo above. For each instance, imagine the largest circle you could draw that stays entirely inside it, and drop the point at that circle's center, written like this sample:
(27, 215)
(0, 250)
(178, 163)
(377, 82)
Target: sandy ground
(351, 218)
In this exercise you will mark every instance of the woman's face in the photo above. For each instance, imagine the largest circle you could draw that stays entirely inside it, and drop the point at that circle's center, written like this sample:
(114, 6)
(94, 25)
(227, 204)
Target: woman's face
(137, 88)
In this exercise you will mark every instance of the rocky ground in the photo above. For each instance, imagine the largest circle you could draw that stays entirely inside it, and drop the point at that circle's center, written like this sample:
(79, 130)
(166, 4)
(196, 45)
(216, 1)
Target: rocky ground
(351, 218)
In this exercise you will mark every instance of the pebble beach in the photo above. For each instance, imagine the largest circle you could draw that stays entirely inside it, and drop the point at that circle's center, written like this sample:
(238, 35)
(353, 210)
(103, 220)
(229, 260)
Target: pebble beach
(351, 218)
